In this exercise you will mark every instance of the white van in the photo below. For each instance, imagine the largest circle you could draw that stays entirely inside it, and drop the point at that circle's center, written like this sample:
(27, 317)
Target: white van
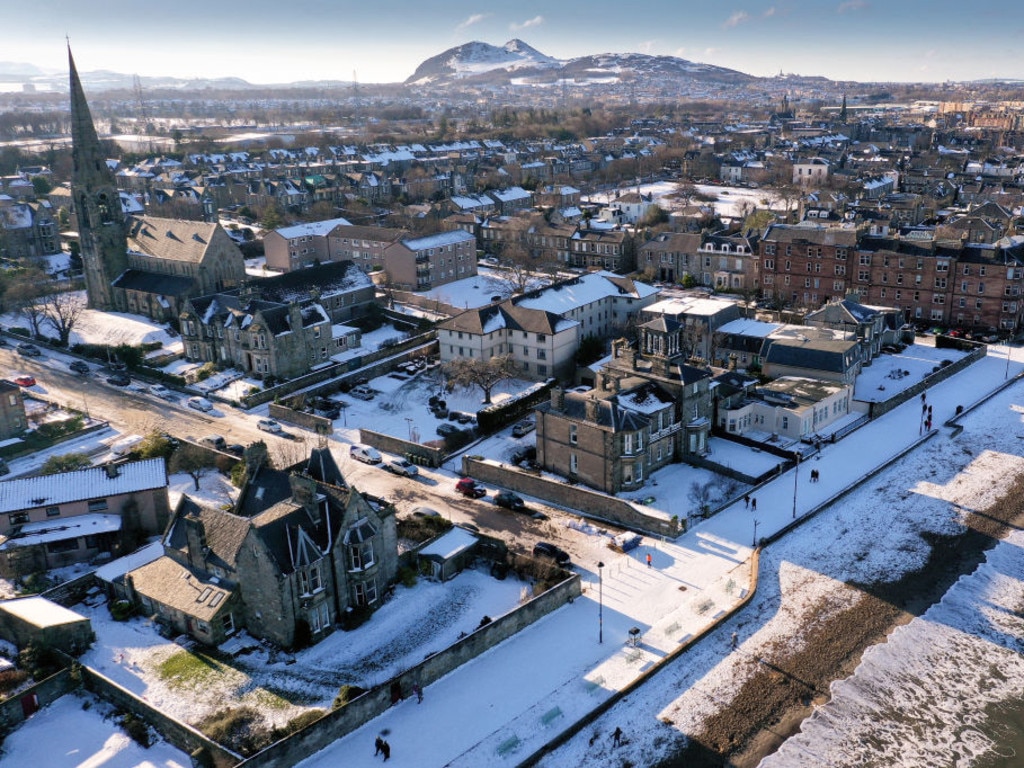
(125, 445)
(365, 454)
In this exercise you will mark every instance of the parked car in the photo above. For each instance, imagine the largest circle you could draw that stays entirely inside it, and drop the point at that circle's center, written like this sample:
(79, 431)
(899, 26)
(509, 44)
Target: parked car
(425, 512)
(445, 429)
(25, 381)
(160, 391)
(269, 425)
(78, 366)
(469, 488)
(509, 500)
(402, 467)
(362, 392)
(200, 404)
(214, 441)
(236, 449)
(365, 454)
(547, 549)
(523, 428)
(119, 379)
(28, 350)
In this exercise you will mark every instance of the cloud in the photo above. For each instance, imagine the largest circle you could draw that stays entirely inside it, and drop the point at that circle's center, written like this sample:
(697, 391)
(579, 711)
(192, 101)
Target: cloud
(536, 21)
(769, 12)
(737, 18)
(476, 18)
(848, 6)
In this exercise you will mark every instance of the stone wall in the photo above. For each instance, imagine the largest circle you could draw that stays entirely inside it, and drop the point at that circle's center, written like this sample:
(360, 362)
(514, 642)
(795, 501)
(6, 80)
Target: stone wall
(882, 408)
(318, 424)
(72, 592)
(183, 736)
(431, 457)
(583, 501)
(47, 691)
(339, 722)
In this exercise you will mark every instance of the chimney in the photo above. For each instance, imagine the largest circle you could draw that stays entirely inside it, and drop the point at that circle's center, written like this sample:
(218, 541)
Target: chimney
(557, 399)
(591, 407)
(112, 470)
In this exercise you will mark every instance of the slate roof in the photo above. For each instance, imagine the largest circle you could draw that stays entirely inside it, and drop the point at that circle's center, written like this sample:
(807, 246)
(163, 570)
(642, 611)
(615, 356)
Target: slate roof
(94, 482)
(164, 580)
(154, 282)
(225, 532)
(173, 239)
(330, 278)
(610, 415)
(835, 356)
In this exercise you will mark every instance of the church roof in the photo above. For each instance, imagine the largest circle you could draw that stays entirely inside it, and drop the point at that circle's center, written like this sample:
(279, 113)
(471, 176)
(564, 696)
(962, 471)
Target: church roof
(154, 282)
(172, 239)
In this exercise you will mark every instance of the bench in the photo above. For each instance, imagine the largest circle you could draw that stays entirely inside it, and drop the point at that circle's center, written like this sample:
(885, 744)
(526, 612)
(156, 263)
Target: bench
(593, 685)
(509, 745)
(551, 715)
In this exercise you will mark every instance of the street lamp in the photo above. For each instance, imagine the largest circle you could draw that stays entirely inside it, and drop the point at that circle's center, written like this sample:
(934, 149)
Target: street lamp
(409, 422)
(755, 534)
(600, 603)
(796, 473)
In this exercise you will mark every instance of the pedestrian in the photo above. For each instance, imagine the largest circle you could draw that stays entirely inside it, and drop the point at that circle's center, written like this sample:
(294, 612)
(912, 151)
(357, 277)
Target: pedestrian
(753, 505)
(418, 691)
(929, 411)
(924, 407)
(386, 749)
(735, 640)
(617, 736)
(379, 744)
(746, 501)
(648, 559)
(923, 397)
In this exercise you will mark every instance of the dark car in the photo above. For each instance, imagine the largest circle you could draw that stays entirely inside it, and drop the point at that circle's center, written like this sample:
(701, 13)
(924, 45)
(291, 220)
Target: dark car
(119, 379)
(236, 449)
(78, 366)
(509, 500)
(547, 549)
(28, 350)
(445, 429)
(469, 488)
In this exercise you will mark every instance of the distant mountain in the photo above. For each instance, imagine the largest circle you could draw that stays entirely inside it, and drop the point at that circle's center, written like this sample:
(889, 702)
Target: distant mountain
(19, 70)
(480, 63)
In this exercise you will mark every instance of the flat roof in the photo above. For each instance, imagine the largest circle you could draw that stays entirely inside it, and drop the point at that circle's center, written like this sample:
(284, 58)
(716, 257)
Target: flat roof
(450, 544)
(40, 612)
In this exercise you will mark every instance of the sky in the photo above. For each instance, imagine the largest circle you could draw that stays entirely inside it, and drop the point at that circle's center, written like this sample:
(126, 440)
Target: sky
(383, 42)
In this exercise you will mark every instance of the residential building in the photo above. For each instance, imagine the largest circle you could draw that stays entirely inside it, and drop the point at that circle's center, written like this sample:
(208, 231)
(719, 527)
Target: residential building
(302, 245)
(13, 421)
(670, 257)
(794, 408)
(50, 521)
(299, 553)
(607, 249)
(812, 353)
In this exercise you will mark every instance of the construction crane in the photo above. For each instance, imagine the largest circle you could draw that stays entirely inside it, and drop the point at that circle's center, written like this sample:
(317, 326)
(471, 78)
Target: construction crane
(142, 120)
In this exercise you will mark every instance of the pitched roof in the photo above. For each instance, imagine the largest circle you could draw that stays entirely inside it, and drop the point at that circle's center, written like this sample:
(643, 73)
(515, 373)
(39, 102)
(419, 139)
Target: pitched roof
(172, 584)
(175, 239)
(94, 482)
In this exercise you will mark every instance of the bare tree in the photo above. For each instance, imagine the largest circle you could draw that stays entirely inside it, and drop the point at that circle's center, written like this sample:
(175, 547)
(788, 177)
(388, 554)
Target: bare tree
(25, 294)
(475, 372)
(700, 495)
(518, 273)
(192, 460)
(62, 311)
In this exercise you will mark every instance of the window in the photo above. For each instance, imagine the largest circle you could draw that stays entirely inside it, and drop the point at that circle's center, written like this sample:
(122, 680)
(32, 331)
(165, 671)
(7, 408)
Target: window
(769, 263)
(360, 555)
(573, 434)
(981, 287)
(18, 518)
(53, 511)
(97, 505)
(573, 463)
(364, 593)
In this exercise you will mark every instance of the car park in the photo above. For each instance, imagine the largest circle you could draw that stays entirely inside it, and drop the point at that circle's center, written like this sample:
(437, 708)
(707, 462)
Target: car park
(362, 392)
(200, 404)
(119, 379)
(25, 381)
(509, 500)
(549, 550)
(523, 428)
(402, 467)
(78, 366)
(269, 425)
(28, 350)
(469, 488)
(365, 454)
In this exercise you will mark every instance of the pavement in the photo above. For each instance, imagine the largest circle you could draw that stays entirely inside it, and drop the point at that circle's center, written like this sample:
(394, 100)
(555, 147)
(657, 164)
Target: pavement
(576, 660)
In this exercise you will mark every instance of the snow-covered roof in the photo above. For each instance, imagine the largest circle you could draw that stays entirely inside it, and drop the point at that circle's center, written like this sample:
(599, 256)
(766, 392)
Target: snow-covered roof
(438, 239)
(50, 490)
(40, 612)
(314, 228)
(62, 529)
(450, 544)
(747, 327)
(690, 305)
(115, 569)
(595, 286)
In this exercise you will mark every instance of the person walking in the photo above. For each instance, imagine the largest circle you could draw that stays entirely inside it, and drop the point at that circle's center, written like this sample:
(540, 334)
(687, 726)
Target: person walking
(418, 691)
(753, 505)
(735, 640)
(746, 501)
(617, 736)
(379, 744)
(648, 559)
(386, 749)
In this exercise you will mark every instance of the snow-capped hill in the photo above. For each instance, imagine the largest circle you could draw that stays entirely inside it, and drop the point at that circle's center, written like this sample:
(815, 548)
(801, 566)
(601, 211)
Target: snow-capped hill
(476, 58)
(484, 63)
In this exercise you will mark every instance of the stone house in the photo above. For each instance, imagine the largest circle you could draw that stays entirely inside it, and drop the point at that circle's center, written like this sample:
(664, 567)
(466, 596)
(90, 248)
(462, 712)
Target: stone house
(670, 256)
(27, 229)
(256, 335)
(340, 287)
(874, 327)
(13, 421)
(422, 263)
(299, 552)
(613, 250)
(52, 521)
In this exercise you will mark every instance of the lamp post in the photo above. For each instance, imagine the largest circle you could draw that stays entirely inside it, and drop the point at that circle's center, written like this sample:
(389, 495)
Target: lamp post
(796, 473)
(409, 422)
(755, 534)
(600, 603)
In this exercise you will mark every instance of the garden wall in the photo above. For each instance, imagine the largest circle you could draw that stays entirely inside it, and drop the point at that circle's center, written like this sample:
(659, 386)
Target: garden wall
(339, 722)
(976, 354)
(180, 735)
(429, 456)
(319, 424)
(578, 499)
(46, 692)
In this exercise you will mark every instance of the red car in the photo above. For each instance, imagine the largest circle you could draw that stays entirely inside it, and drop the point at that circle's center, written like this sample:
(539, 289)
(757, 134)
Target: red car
(468, 487)
(25, 381)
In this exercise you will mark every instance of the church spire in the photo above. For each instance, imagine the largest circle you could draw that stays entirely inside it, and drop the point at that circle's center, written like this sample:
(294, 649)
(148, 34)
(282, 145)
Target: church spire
(86, 150)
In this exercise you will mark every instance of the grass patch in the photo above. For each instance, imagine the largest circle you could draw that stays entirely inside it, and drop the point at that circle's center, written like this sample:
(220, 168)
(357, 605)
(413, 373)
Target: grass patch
(190, 669)
(267, 699)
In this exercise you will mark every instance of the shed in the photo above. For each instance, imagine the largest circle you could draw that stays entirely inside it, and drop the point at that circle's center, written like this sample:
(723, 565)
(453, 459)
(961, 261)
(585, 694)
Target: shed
(447, 555)
(38, 620)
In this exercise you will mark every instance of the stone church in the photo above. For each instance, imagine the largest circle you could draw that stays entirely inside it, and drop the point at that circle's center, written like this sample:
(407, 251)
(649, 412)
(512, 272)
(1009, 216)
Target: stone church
(142, 264)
